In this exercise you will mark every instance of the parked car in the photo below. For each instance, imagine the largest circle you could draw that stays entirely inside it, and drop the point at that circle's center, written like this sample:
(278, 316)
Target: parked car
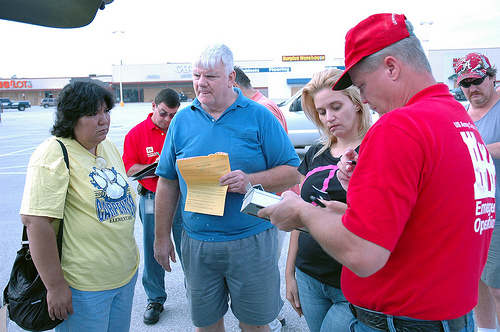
(20, 105)
(183, 97)
(47, 102)
(301, 131)
(458, 93)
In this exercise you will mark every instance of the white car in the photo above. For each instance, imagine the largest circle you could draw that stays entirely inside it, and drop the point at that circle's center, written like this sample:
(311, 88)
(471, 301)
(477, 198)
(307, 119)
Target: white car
(301, 131)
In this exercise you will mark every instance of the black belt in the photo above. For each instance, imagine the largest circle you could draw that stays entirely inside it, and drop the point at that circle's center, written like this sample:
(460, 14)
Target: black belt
(378, 321)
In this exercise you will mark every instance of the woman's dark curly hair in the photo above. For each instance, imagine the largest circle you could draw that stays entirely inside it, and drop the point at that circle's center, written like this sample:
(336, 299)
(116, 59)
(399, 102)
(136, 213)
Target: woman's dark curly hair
(76, 100)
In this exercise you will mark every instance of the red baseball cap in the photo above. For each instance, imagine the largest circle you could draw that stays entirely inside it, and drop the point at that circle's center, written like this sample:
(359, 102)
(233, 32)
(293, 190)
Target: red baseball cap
(370, 36)
(473, 65)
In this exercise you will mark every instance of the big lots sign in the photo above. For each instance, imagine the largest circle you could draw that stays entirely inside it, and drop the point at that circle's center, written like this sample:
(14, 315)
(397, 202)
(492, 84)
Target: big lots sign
(16, 84)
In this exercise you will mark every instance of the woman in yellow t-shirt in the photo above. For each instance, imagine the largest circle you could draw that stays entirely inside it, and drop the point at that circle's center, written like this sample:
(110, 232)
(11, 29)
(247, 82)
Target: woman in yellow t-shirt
(92, 287)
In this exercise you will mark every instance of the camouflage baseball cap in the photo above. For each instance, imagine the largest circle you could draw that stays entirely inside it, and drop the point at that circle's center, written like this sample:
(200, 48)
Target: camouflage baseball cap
(473, 65)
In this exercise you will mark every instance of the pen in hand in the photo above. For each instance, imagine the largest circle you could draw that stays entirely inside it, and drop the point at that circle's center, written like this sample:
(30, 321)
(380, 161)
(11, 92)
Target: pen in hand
(317, 201)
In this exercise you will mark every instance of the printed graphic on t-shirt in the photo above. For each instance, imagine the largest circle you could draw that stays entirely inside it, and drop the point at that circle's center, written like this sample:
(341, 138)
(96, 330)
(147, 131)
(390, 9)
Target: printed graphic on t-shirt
(484, 186)
(113, 199)
(331, 169)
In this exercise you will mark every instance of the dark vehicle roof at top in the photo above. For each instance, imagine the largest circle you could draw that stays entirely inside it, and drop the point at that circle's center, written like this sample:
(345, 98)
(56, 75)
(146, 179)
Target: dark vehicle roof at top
(52, 13)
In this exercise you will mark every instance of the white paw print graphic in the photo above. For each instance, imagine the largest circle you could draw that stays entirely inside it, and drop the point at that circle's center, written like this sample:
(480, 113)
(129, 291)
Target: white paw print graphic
(108, 180)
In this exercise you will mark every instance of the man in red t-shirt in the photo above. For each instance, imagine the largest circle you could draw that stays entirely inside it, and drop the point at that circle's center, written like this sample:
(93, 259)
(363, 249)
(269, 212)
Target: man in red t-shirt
(142, 147)
(414, 235)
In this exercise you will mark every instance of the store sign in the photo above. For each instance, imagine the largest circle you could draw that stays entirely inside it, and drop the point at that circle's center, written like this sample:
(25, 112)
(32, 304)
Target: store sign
(267, 70)
(153, 77)
(16, 84)
(183, 68)
(288, 58)
(335, 67)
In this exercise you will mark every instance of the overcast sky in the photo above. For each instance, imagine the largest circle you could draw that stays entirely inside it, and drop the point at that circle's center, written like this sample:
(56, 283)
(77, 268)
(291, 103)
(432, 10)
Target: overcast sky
(161, 31)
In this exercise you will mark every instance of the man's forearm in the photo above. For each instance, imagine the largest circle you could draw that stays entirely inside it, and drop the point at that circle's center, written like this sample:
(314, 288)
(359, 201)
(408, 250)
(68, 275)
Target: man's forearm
(275, 179)
(166, 199)
(361, 256)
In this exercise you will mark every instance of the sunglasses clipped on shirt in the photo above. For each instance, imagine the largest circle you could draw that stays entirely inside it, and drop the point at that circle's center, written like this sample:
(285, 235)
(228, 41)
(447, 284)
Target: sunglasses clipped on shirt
(477, 81)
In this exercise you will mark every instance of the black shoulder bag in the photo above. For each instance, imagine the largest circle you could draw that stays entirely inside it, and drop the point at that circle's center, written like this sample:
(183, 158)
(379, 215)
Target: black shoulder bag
(25, 294)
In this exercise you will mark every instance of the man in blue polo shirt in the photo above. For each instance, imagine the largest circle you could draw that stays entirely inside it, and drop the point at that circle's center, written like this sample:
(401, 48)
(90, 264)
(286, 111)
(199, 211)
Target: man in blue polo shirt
(235, 254)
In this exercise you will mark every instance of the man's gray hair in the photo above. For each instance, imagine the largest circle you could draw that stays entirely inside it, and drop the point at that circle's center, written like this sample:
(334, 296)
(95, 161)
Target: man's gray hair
(215, 54)
(409, 50)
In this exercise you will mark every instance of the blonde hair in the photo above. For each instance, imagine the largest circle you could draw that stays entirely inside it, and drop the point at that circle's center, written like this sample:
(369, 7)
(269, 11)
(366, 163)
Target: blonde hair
(326, 79)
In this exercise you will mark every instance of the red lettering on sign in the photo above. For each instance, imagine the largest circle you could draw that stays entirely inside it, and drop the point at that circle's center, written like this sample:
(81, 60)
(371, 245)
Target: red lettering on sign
(12, 84)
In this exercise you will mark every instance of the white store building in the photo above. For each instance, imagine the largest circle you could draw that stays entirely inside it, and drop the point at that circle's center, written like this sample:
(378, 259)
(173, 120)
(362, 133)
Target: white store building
(278, 79)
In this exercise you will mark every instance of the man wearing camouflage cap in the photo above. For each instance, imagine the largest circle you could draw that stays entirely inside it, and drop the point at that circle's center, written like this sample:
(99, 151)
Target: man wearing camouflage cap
(476, 77)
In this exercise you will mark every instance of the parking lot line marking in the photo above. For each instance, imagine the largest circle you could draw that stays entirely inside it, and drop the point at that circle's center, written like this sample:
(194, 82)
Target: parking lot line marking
(16, 152)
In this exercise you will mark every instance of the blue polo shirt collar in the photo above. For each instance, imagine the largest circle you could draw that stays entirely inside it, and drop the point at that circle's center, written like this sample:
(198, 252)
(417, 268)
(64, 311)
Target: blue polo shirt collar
(241, 101)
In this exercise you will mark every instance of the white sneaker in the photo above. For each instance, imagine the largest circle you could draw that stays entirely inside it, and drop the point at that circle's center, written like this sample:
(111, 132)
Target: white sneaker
(275, 325)
(281, 317)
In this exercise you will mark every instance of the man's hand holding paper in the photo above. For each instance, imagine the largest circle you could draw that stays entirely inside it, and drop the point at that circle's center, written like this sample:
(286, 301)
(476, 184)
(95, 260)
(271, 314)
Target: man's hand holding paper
(202, 174)
(235, 181)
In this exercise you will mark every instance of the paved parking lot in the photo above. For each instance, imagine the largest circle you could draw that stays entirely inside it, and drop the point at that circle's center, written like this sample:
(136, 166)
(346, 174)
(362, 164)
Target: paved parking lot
(20, 134)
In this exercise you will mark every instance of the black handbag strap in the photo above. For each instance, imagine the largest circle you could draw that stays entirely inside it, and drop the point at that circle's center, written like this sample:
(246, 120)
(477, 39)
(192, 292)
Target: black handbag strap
(25, 241)
(65, 153)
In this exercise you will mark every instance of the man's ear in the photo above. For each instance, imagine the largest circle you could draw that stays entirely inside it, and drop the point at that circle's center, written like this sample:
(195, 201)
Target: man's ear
(232, 78)
(393, 67)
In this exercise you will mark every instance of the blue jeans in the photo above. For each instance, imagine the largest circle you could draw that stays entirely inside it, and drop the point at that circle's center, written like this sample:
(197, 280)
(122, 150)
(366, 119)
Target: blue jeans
(325, 307)
(101, 311)
(153, 275)
(357, 326)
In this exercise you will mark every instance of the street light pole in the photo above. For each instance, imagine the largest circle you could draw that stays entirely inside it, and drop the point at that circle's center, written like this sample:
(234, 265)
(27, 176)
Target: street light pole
(121, 86)
(426, 27)
(120, 71)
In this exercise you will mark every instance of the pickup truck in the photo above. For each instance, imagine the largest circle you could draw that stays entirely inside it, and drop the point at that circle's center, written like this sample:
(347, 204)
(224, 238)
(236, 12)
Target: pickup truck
(20, 105)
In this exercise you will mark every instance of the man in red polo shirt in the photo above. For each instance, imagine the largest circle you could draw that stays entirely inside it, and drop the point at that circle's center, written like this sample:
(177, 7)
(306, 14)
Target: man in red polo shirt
(142, 147)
